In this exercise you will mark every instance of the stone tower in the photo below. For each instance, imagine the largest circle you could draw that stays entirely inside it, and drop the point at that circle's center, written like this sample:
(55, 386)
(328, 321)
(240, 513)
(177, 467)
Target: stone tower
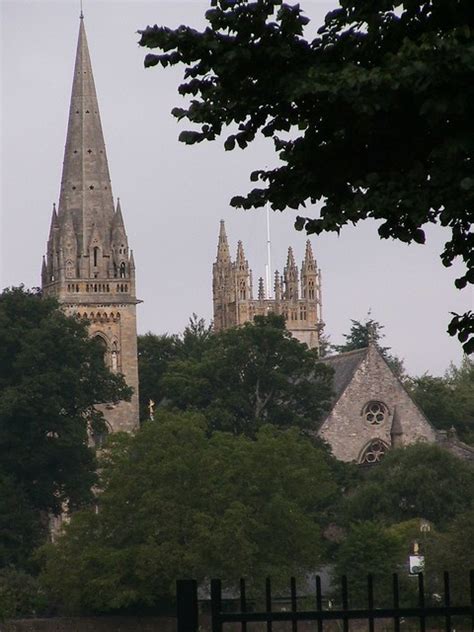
(88, 266)
(297, 294)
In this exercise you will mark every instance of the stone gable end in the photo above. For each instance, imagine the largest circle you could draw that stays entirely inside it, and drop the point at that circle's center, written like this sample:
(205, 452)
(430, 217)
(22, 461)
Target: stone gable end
(347, 430)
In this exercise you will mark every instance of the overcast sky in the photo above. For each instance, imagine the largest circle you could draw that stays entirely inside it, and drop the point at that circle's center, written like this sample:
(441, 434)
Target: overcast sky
(173, 196)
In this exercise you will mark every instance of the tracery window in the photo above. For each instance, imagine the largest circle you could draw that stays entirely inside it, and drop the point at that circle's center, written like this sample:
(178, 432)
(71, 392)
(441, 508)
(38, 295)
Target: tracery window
(375, 413)
(374, 452)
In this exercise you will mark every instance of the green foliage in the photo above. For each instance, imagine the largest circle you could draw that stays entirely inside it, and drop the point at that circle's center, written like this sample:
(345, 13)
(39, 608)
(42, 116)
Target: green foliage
(376, 73)
(448, 401)
(20, 595)
(452, 551)
(359, 337)
(369, 548)
(21, 526)
(419, 481)
(176, 503)
(51, 377)
(250, 376)
(155, 353)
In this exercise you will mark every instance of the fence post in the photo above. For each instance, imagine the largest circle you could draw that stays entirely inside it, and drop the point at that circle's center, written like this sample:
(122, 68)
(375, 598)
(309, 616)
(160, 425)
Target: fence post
(187, 605)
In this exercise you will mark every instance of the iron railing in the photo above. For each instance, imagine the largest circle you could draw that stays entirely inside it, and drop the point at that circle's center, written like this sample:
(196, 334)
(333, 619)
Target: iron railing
(188, 609)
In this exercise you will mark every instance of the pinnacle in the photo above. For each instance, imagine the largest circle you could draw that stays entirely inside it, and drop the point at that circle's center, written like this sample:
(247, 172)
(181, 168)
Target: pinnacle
(223, 245)
(291, 259)
(309, 252)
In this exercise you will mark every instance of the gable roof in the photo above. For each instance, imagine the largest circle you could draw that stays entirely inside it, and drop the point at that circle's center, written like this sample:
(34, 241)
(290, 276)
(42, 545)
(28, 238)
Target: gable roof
(344, 366)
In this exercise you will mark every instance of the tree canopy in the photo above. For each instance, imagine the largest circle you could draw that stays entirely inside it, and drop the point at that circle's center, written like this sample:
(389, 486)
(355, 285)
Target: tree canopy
(379, 105)
(155, 353)
(52, 375)
(176, 503)
(250, 376)
(448, 401)
(359, 337)
(418, 481)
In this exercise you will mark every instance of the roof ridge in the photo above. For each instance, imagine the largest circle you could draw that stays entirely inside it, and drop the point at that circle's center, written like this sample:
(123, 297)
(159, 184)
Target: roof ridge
(344, 353)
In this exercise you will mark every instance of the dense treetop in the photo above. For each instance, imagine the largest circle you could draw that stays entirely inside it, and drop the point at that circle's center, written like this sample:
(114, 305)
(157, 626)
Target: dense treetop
(52, 375)
(380, 107)
(176, 503)
(246, 377)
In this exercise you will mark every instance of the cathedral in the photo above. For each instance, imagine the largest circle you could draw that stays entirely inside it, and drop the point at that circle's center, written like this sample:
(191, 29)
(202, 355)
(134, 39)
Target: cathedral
(88, 266)
(297, 294)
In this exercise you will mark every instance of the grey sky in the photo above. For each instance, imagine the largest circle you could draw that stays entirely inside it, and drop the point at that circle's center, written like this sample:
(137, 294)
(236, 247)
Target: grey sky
(173, 196)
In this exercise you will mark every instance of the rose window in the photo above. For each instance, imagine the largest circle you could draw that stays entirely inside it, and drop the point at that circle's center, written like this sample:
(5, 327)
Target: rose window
(375, 413)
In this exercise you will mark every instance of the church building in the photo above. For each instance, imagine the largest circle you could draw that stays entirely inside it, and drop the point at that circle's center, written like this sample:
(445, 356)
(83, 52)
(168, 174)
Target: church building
(88, 266)
(297, 294)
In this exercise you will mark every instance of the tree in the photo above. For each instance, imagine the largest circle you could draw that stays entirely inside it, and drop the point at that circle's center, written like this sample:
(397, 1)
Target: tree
(369, 548)
(419, 481)
(451, 551)
(359, 337)
(155, 353)
(175, 503)
(250, 376)
(448, 401)
(376, 73)
(52, 375)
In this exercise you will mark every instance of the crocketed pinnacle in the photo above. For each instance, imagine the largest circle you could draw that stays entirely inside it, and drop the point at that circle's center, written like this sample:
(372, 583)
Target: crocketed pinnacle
(86, 190)
(223, 255)
(290, 262)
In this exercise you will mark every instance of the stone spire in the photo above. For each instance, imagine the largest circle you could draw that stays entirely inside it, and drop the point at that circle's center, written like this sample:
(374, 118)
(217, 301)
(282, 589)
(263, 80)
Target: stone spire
(88, 267)
(85, 184)
(261, 289)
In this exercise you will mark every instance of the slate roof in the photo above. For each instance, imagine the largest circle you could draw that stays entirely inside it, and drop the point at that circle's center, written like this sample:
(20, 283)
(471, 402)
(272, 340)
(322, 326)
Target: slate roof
(344, 366)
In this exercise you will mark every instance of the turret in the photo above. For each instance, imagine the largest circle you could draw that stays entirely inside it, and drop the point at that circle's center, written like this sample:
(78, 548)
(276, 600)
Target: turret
(309, 274)
(223, 284)
(261, 289)
(241, 272)
(396, 431)
(277, 287)
(291, 277)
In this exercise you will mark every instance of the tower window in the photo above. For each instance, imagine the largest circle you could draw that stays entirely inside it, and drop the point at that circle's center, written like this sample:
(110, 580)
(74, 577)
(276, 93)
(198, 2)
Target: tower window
(122, 270)
(96, 252)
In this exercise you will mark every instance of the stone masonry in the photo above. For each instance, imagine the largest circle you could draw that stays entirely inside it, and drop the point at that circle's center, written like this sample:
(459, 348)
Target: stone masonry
(297, 293)
(88, 266)
(372, 411)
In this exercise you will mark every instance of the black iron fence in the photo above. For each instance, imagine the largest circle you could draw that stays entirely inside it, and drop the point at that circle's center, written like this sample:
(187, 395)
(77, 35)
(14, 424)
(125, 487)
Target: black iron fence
(444, 611)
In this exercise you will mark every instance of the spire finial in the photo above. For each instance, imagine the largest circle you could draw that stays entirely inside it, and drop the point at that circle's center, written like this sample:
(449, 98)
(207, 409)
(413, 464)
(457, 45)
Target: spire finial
(81, 14)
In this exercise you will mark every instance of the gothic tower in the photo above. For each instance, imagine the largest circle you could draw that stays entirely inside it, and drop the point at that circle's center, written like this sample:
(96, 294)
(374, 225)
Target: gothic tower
(296, 296)
(88, 266)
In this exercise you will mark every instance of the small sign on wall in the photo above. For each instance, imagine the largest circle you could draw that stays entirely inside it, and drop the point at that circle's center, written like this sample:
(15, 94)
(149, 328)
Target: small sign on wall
(417, 564)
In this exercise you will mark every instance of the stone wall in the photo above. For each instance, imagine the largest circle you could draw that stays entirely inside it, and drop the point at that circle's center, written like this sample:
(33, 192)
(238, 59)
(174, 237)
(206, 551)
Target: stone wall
(347, 431)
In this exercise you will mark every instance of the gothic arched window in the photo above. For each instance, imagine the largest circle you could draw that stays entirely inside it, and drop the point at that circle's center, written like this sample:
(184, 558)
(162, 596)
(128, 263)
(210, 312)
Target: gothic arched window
(375, 413)
(96, 253)
(373, 452)
(122, 270)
